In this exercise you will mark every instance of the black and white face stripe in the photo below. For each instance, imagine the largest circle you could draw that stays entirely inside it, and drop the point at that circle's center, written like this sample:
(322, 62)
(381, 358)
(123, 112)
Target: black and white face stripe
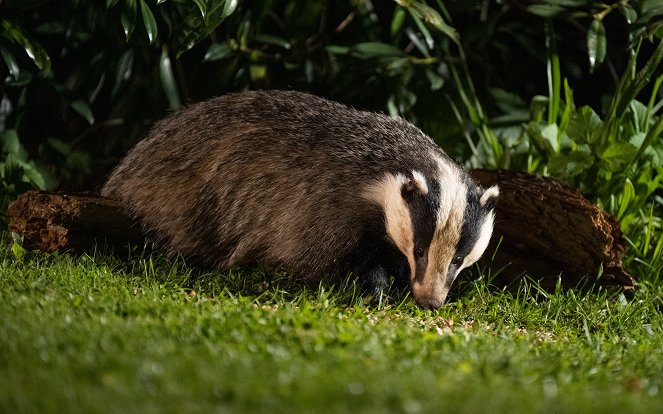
(410, 205)
(424, 210)
(487, 201)
(471, 232)
(462, 237)
(440, 224)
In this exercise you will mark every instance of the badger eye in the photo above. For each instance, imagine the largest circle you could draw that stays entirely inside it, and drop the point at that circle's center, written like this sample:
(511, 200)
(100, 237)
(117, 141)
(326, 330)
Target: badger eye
(418, 252)
(457, 261)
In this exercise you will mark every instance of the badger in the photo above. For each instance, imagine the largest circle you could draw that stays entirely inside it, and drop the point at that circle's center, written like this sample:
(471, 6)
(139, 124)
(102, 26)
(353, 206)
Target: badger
(291, 181)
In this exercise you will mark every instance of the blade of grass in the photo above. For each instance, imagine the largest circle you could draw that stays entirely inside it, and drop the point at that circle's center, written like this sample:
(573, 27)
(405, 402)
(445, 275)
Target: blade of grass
(554, 76)
(628, 87)
(652, 99)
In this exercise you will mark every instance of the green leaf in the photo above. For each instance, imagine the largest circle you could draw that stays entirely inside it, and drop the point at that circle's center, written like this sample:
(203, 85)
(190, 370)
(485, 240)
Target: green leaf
(651, 8)
(229, 7)
(628, 194)
(537, 107)
(128, 17)
(571, 164)
(38, 177)
(546, 10)
(337, 50)
(272, 40)
(569, 107)
(83, 109)
(17, 246)
(194, 28)
(406, 100)
(124, 70)
(18, 76)
(168, 80)
(629, 86)
(554, 74)
(629, 13)
(397, 21)
(617, 155)
(637, 139)
(110, 3)
(545, 135)
(217, 51)
(12, 145)
(12, 64)
(550, 133)
(436, 81)
(652, 106)
(258, 73)
(12, 171)
(202, 7)
(584, 126)
(32, 48)
(571, 3)
(432, 17)
(59, 146)
(596, 44)
(507, 102)
(639, 114)
(430, 43)
(418, 43)
(368, 50)
(392, 107)
(149, 21)
(654, 134)
(19, 171)
(79, 161)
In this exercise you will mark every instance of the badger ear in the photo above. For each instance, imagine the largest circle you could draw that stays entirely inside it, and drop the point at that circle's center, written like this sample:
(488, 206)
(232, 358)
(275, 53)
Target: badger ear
(416, 183)
(408, 186)
(489, 197)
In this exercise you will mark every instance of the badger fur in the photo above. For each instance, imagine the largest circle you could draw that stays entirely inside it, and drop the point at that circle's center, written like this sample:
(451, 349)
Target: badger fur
(292, 181)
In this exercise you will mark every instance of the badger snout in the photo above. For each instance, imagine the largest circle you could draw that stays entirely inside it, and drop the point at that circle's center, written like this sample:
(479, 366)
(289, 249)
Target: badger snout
(429, 298)
(431, 303)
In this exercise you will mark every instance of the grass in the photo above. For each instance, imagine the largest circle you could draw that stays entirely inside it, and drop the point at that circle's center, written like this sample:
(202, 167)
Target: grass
(94, 333)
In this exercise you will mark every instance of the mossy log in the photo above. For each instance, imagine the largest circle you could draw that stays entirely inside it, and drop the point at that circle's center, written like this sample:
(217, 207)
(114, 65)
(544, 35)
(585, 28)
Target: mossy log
(544, 229)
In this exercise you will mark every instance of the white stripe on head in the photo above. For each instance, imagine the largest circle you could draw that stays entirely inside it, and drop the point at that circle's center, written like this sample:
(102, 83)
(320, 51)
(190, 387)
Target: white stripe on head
(433, 288)
(451, 185)
(386, 193)
(482, 242)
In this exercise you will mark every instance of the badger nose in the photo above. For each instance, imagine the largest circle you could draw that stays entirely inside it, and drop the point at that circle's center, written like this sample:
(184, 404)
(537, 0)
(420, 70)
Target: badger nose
(429, 297)
(430, 302)
(435, 303)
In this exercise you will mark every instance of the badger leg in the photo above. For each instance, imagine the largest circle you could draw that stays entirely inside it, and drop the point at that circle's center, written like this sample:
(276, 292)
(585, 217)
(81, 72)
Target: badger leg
(374, 280)
(382, 267)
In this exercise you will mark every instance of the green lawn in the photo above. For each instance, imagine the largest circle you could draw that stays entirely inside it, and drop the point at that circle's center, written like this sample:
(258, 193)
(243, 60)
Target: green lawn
(94, 333)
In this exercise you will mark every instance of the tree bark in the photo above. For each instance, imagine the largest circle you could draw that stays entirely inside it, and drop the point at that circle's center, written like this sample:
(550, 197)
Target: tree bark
(544, 229)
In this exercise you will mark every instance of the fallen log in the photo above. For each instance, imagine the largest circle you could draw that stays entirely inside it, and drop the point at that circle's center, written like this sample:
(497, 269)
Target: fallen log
(543, 228)
(57, 221)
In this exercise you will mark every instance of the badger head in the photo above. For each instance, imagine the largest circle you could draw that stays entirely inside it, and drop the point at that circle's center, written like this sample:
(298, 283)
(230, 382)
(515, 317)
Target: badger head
(441, 224)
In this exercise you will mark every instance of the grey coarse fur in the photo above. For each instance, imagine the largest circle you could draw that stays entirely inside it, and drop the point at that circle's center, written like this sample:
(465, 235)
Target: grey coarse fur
(267, 177)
